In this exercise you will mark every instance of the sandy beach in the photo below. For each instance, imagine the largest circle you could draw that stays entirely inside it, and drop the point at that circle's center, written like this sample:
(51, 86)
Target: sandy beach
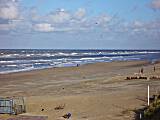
(96, 91)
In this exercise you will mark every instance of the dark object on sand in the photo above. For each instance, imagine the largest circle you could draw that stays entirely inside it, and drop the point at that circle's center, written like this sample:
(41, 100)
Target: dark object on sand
(158, 96)
(143, 78)
(42, 109)
(154, 68)
(135, 77)
(154, 78)
(59, 107)
(142, 70)
(128, 78)
(67, 116)
(152, 98)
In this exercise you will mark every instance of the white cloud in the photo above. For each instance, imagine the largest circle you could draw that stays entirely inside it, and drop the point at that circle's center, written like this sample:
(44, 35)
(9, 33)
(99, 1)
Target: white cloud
(59, 16)
(155, 4)
(137, 24)
(33, 15)
(102, 19)
(43, 27)
(80, 13)
(8, 9)
(9, 13)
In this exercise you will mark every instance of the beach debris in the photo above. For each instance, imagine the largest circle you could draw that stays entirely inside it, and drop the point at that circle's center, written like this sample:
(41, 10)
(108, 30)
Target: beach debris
(136, 77)
(152, 98)
(128, 78)
(67, 116)
(60, 107)
(141, 77)
(42, 109)
(155, 78)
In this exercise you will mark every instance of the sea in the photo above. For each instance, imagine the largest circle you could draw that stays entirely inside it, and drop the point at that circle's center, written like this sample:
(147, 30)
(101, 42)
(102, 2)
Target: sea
(17, 60)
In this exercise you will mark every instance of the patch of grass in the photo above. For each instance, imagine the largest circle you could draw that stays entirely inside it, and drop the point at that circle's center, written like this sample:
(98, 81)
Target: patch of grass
(152, 112)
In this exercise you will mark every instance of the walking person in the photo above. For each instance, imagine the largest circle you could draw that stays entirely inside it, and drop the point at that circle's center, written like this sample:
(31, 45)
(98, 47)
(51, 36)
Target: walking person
(154, 68)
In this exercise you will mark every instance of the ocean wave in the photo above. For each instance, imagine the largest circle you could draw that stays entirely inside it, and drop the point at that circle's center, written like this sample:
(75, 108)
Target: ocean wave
(48, 54)
(23, 60)
(89, 58)
(11, 65)
(7, 61)
(16, 70)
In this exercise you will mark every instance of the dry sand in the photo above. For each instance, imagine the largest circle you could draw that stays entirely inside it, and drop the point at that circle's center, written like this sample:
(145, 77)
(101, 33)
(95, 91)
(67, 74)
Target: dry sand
(90, 92)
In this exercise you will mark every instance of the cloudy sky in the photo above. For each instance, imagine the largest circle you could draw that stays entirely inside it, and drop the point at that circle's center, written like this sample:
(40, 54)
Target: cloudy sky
(80, 24)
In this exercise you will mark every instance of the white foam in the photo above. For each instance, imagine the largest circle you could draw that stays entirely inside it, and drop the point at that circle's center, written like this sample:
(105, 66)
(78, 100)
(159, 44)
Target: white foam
(63, 54)
(89, 58)
(95, 58)
(9, 55)
(74, 53)
(89, 53)
(11, 65)
(6, 61)
(41, 60)
(46, 54)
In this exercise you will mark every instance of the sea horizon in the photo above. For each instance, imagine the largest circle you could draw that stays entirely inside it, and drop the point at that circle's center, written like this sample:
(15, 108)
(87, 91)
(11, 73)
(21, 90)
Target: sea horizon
(74, 49)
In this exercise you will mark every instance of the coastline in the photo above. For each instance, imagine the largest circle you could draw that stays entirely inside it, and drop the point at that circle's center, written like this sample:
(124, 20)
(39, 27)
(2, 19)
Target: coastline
(72, 66)
(20, 60)
(90, 91)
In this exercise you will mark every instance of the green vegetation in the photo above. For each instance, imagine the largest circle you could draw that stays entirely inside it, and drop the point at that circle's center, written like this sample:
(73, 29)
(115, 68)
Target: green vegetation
(152, 112)
(153, 109)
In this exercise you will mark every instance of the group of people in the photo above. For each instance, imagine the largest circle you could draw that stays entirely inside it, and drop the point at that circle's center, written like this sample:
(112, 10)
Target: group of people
(142, 70)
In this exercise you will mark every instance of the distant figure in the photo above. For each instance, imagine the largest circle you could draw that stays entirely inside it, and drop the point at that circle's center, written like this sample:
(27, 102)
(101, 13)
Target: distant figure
(77, 65)
(154, 68)
(142, 70)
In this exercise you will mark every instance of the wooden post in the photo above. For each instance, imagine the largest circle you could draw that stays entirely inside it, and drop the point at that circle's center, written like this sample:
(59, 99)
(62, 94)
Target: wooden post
(148, 95)
(140, 116)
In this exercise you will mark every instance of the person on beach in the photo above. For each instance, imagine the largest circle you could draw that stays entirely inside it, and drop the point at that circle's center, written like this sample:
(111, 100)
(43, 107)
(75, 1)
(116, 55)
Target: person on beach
(142, 70)
(77, 65)
(154, 68)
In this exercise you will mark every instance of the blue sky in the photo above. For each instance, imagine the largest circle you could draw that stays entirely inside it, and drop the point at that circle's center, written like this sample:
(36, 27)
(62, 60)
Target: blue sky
(80, 24)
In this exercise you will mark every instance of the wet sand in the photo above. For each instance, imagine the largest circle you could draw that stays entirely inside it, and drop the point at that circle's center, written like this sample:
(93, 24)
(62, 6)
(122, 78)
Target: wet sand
(89, 92)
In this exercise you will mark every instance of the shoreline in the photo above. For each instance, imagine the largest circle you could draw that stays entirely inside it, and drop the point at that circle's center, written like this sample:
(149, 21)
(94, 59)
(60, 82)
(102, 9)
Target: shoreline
(52, 67)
